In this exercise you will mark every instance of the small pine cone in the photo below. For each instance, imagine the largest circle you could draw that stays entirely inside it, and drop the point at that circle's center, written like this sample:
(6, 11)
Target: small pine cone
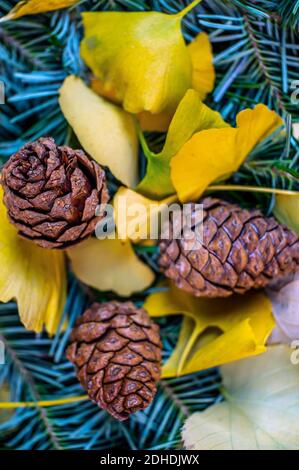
(116, 349)
(52, 192)
(241, 250)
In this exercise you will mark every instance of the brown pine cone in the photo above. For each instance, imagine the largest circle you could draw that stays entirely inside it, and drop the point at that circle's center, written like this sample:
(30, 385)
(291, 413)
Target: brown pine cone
(52, 192)
(241, 250)
(116, 349)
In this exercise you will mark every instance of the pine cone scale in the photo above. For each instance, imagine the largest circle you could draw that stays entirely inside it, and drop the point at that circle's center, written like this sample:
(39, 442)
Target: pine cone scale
(241, 250)
(116, 349)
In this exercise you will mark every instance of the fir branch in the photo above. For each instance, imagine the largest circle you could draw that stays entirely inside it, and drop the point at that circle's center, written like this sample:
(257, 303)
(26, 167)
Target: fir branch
(14, 44)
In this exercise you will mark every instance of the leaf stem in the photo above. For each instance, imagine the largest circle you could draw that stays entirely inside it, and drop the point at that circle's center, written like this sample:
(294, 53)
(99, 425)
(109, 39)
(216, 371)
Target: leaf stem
(43, 403)
(147, 152)
(257, 189)
(188, 8)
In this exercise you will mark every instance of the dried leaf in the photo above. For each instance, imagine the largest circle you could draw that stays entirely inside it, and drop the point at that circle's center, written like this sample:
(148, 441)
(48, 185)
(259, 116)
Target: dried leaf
(261, 411)
(104, 130)
(214, 331)
(147, 66)
(191, 116)
(286, 312)
(214, 154)
(286, 210)
(110, 264)
(32, 7)
(35, 277)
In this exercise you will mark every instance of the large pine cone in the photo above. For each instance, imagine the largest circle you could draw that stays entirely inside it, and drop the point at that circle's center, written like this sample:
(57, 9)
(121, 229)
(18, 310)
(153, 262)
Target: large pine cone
(116, 349)
(52, 192)
(241, 250)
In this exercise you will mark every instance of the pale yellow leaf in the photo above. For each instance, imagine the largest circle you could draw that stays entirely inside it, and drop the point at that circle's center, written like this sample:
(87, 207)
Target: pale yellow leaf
(32, 7)
(110, 264)
(35, 277)
(105, 131)
(261, 411)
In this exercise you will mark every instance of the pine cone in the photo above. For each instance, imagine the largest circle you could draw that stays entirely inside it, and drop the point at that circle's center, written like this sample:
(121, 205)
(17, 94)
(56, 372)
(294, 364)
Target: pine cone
(116, 349)
(52, 192)
(241, 250)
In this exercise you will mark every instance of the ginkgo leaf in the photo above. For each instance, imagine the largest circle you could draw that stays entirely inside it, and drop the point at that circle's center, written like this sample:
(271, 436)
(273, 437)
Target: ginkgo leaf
(154, 122)
(32, 7)
(104, 130)
(261, 411)
(136, 216)
(147, 121)
(203, 73)
(286, 210)
(191, 116)
(286, 312)
(147, 65)
(214, 331)
(203, 77)
(35, 277)
(214, 154)
(110, 264)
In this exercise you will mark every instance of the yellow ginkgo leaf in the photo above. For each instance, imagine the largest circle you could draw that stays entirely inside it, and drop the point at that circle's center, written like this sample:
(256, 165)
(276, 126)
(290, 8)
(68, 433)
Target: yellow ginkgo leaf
(214, 154)
(148, 121)
(110, 264)
(35, 277)
(203, 76)
(154, 122)
(286, 211)
(32, 7)
(104, 130)
(136, 216)
(214, 331)
(203, 73)
(191, 116)
(147, 65)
